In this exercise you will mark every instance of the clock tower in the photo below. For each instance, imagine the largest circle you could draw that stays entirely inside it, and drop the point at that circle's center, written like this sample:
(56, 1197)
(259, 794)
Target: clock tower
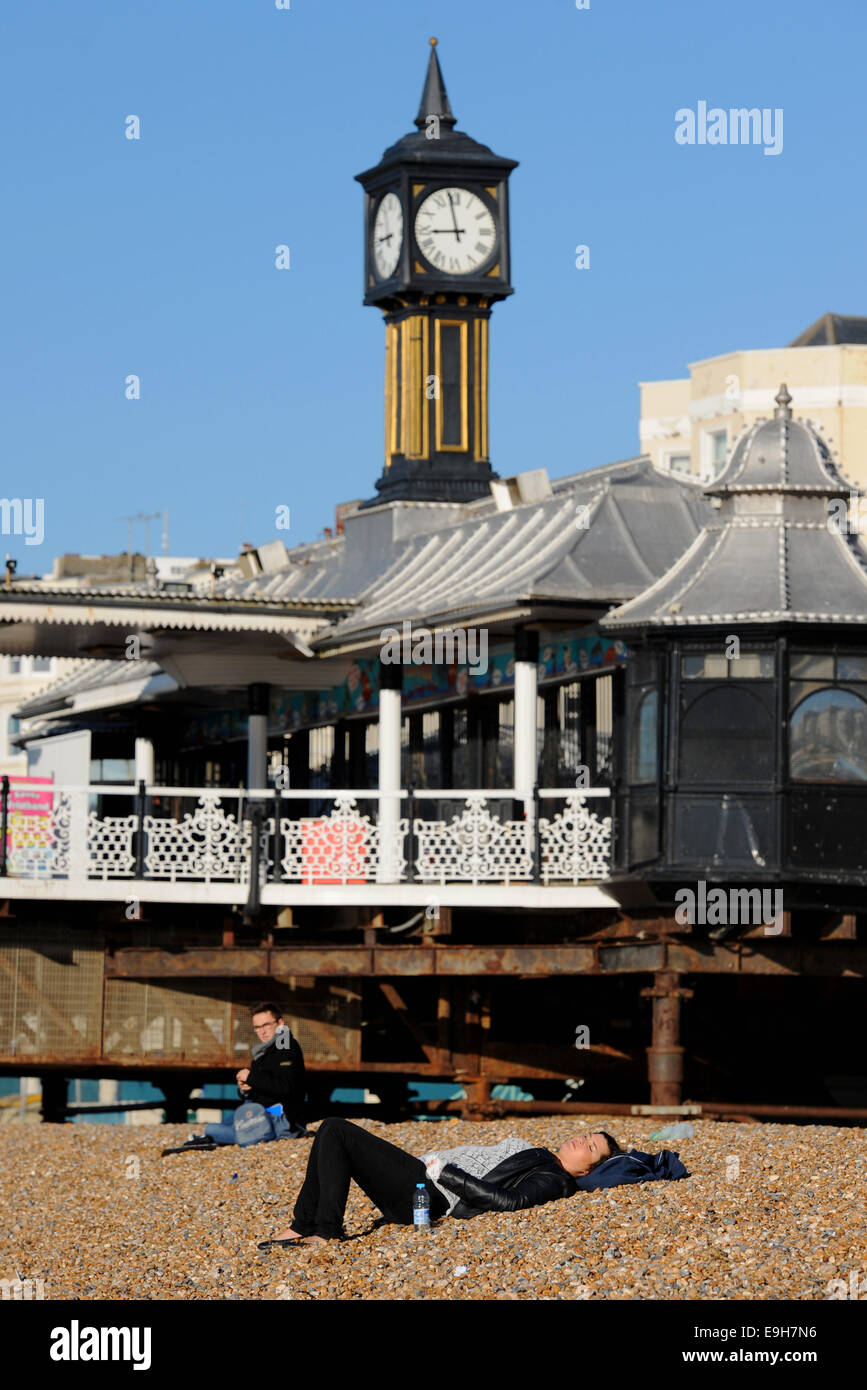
(436, 230)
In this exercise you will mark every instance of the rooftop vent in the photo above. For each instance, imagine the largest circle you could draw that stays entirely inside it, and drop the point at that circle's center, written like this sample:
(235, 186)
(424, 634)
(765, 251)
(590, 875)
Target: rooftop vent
(533, 486)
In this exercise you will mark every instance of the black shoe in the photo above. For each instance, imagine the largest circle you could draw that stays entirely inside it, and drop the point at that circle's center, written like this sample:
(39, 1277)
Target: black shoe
(200, 1141)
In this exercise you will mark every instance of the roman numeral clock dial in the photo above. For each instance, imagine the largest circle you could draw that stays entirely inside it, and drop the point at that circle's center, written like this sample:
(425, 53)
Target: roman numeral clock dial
(387, 236)
(455, 231)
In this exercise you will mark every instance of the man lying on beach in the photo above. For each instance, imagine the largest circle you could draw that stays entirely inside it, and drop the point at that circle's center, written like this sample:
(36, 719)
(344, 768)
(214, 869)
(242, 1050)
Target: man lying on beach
(462, 1182)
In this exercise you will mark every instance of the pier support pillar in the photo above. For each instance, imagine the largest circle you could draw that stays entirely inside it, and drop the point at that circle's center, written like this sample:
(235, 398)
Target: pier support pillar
(665, 1054)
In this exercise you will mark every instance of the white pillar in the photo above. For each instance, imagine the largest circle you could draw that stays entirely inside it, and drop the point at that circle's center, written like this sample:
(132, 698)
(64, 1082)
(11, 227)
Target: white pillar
(108, 1093)
(257, 737)
(526, 697)
(144, 761)
(389, 774)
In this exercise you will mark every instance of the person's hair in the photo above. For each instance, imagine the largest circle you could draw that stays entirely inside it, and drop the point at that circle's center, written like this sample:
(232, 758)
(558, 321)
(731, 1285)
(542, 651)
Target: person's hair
(267, 1008)
(613, 1148)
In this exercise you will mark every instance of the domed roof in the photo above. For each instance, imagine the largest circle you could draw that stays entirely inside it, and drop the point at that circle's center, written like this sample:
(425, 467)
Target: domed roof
(779, 549)
(780, 455)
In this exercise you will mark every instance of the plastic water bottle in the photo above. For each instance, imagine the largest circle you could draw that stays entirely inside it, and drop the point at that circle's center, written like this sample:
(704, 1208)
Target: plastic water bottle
(420, 1206)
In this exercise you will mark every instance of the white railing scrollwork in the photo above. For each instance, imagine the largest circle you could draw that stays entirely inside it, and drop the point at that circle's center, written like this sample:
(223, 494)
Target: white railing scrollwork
(205, 835)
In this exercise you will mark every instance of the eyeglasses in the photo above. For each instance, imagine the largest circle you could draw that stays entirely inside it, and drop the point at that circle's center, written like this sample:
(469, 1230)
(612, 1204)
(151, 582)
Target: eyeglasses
(260, 1027)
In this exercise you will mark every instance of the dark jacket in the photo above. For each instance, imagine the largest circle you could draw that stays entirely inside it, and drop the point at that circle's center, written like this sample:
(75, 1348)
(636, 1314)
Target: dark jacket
(526, 1179)
(277, 1076)
(534, 1176)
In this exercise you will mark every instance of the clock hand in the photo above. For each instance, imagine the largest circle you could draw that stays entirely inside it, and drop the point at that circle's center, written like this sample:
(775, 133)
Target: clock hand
(458, 234)
(387, 238)
(445, 231)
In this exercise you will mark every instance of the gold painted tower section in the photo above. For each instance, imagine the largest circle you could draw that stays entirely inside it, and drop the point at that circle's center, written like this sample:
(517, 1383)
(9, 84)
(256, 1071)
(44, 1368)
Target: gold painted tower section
(415, 370)
(480, 389)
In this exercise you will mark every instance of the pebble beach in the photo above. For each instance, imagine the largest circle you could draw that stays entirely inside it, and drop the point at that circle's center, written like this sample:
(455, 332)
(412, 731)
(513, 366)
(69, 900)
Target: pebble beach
(770, 1211)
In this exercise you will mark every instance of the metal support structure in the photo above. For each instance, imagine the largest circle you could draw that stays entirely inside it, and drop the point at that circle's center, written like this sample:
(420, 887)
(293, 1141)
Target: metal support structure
(141, 802)
(53, 1098)
(410, 838)
(176, 1090)
(665, 1055)
(256, 816)
(4, 823)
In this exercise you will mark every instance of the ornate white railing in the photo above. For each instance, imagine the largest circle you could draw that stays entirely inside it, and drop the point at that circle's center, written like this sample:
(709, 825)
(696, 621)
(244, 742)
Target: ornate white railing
(209, 837)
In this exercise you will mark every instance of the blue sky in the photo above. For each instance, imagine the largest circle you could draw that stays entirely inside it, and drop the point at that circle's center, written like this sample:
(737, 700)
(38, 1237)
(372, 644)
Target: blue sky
(263, 388)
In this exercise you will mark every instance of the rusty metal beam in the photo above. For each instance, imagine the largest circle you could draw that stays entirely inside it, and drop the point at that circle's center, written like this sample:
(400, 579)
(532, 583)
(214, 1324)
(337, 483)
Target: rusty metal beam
(133, 962)
(706, 1110)
(773, 957)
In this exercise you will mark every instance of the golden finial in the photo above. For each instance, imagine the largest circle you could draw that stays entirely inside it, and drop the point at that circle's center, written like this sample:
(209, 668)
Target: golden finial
(433, 43)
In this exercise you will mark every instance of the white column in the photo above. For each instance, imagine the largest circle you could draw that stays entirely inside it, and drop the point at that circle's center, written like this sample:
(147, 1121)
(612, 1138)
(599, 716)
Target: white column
(389, 779)
(257, 737)
(108, 1093)
(526, 696)
(144, 761)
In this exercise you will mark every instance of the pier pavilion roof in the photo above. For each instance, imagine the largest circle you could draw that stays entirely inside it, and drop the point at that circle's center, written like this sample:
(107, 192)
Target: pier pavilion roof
(599, 537)
(596, 538)
(778, 548)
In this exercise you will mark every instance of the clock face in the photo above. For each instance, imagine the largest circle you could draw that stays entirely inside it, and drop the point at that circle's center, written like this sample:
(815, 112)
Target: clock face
(455, 231)
(387, 236)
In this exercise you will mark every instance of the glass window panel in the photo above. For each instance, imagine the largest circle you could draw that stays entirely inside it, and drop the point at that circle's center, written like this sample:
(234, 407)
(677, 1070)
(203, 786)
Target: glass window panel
(693, 667)
(753, 666)
(643, 744)
(732, 830)
(727, 735)
(799, 690)
(811, 666)
(852, 668)
(716, 667)
(828, 738)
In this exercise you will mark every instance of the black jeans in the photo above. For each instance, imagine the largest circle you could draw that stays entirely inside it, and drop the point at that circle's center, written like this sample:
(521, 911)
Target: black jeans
(385, 1173)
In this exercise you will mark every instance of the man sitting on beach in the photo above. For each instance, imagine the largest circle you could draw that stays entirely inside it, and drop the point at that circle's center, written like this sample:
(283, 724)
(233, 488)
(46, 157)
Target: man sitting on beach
(271, 1088)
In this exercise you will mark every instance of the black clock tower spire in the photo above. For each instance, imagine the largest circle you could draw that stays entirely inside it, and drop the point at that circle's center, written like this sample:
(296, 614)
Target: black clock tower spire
(436, 258)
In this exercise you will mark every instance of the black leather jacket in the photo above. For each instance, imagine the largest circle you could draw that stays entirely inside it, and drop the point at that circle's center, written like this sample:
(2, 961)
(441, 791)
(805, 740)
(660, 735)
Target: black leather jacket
(526, 1179)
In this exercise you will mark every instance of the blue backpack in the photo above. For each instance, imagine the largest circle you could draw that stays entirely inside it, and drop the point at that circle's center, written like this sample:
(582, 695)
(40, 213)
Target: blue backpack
(253, 1124)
